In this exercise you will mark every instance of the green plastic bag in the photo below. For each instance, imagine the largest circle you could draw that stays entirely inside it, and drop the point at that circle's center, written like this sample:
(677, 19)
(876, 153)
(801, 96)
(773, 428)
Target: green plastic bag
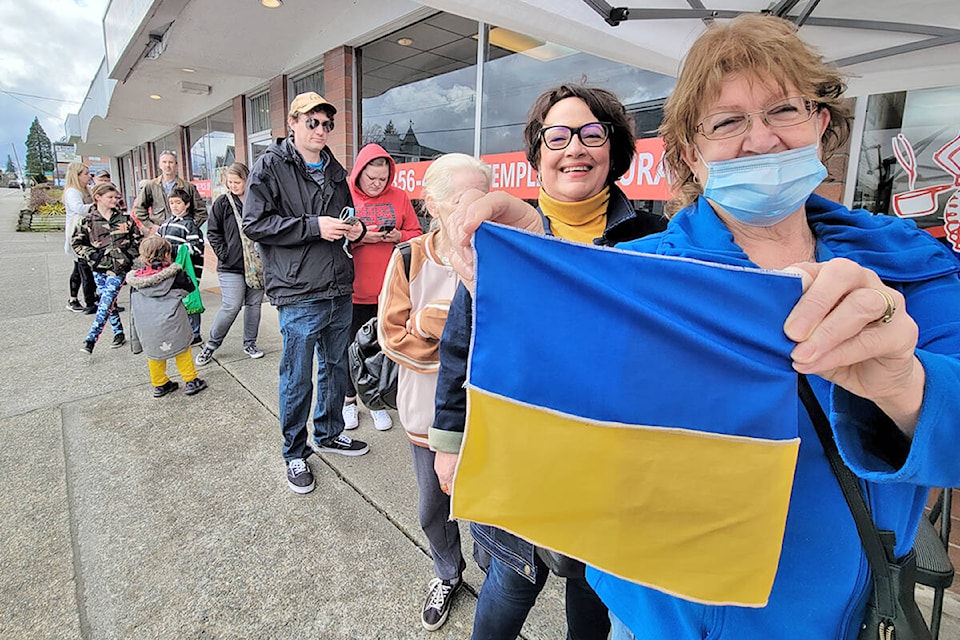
(193, 302)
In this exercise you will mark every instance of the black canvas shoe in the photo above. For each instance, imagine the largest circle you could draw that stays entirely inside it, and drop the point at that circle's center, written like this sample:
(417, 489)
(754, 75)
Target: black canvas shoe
(299, 478)
(90, 310)
(168, 387)
(436, 607)
(88, 346)
(196, 340)
(75, 306)
(345, 446)
(118, 341)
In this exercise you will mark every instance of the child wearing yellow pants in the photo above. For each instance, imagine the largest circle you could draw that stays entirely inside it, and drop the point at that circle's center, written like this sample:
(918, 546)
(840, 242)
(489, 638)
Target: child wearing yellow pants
(159, 324)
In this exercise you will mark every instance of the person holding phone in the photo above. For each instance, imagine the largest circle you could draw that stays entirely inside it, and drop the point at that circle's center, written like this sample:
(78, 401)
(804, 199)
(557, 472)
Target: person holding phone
(389, 217)
(296, 193)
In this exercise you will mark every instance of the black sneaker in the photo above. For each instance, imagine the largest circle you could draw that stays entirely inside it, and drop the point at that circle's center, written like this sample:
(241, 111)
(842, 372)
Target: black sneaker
(196, 340)
(88, 345)
(345, 446)
(299, 478)
(118, 341)
(436, 607)
(75, 306)
(194, 387)
(118, 308)
(90, 310)
(168, 387)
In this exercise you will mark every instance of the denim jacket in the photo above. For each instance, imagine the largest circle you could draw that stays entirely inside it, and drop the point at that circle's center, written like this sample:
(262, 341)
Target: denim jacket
(623, 224)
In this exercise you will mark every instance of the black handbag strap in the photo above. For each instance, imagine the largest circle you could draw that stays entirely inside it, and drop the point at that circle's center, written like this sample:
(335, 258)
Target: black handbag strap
(873, 546)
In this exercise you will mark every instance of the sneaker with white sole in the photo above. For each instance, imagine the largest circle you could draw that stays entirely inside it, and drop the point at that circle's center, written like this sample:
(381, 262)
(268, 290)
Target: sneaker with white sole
(299, 477)
(381, 420)
(344, 446)
(350, 419)
(253, 352)
(204, 357)
(436, 607)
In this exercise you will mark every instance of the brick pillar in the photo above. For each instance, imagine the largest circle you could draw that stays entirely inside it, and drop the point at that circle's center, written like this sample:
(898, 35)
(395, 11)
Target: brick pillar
(240, 142)
(338, 90)
(150, 171)
(279, 105)
(183, 154)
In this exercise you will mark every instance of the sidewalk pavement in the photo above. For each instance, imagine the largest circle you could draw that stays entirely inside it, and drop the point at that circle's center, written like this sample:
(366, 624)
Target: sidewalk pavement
(124, 516)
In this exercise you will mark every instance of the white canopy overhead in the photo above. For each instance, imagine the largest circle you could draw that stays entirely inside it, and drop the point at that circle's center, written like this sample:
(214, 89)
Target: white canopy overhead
(884, 45)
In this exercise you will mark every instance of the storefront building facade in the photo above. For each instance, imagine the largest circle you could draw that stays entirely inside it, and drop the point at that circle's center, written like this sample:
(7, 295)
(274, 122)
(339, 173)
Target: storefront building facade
(408, 77)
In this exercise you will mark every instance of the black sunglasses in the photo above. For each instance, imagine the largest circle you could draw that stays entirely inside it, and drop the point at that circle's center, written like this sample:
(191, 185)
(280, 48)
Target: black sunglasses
(313, 123)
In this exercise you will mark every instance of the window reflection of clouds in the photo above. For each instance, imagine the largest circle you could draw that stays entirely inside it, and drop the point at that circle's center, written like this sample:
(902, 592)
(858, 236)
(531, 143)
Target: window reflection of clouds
(511, 84)
(442, 109)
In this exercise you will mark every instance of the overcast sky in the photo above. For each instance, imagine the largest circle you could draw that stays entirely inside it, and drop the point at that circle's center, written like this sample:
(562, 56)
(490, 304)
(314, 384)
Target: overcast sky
(49, 53)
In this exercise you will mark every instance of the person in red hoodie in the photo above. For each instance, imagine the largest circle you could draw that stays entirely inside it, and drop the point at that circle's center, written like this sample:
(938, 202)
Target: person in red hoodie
(389, 217)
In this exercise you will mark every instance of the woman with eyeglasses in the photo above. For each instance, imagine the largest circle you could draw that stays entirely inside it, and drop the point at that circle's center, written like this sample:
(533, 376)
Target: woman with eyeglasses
(754, 114)
(580, 140)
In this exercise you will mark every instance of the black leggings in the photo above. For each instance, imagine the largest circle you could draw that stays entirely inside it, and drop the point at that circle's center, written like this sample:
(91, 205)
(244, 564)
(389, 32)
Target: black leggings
(82, 276)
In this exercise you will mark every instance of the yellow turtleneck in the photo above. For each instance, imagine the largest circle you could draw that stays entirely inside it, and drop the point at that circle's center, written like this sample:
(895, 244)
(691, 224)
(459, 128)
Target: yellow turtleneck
(578, 221)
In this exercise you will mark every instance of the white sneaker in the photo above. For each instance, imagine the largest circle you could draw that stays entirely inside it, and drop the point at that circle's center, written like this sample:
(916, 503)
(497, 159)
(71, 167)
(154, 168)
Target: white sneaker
(381, 420)
(350, 420)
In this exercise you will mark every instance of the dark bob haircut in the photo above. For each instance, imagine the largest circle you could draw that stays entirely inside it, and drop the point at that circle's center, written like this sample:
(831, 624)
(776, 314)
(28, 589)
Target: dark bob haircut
(605, 106)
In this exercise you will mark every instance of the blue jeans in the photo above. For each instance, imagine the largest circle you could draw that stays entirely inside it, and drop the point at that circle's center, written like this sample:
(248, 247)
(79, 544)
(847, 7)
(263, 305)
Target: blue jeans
(506, 598)
(108, 286)
(194, 319)
(320, 327)
(236, 295)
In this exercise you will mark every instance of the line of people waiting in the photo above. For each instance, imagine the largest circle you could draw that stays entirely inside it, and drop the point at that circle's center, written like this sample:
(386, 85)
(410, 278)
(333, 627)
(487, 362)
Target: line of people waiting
(752, 103)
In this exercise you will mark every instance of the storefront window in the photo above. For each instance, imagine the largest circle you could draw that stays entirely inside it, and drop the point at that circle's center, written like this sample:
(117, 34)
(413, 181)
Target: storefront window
(909, 163)
(419, 89)
(518, 68)
(211, 152)
(258, 113)
(312, 81)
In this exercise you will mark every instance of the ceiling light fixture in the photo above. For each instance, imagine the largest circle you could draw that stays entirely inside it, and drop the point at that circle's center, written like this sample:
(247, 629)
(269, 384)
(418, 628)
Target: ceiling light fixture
(194, 88)
(188, 70)
(404, 42)
(155, 96)
(271, 4)
(118, 129)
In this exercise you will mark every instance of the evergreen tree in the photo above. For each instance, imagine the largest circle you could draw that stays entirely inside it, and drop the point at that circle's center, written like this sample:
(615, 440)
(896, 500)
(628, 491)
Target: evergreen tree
(39, 152)
(10, 168)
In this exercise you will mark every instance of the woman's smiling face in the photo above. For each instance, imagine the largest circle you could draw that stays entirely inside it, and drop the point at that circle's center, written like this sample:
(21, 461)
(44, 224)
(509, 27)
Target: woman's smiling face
(576, 172)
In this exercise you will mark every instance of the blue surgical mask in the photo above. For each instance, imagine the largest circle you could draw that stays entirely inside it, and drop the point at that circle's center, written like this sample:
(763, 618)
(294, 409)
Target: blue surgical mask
(762, 191)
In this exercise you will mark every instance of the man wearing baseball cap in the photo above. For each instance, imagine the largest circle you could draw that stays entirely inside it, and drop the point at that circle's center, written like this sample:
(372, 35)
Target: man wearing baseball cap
(297, 201)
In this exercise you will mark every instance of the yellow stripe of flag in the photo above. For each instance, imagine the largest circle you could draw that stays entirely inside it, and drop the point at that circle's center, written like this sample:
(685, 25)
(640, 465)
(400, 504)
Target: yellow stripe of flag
(694, 514)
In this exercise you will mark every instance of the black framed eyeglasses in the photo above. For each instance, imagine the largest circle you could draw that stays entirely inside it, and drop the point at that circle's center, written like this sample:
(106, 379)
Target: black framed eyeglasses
(592, 134)
(313, 123)
(783, 113)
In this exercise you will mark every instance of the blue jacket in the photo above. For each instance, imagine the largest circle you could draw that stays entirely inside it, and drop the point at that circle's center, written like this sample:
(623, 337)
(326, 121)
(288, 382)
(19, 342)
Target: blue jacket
(623, 224)
(821, 586)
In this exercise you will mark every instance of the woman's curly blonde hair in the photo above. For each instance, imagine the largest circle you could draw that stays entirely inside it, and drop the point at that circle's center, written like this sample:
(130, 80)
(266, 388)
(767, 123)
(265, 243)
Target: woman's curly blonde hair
(764, 49)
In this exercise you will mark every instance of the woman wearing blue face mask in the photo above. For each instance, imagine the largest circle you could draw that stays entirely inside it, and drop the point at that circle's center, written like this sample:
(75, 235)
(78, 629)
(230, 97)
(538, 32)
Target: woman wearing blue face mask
(753, 116)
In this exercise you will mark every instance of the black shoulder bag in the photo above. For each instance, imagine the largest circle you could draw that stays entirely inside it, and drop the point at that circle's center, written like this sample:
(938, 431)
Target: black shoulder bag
(892, 613)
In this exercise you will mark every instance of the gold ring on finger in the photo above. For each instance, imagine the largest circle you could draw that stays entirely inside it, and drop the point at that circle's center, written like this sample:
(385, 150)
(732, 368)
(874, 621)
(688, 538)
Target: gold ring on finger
(891, 308)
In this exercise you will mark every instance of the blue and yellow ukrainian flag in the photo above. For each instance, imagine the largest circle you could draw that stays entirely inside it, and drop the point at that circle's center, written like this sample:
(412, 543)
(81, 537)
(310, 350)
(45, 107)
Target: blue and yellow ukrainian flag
(636, 412)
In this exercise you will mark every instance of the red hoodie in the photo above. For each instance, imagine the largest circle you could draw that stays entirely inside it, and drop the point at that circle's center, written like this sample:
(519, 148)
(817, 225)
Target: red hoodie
(392, 206)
